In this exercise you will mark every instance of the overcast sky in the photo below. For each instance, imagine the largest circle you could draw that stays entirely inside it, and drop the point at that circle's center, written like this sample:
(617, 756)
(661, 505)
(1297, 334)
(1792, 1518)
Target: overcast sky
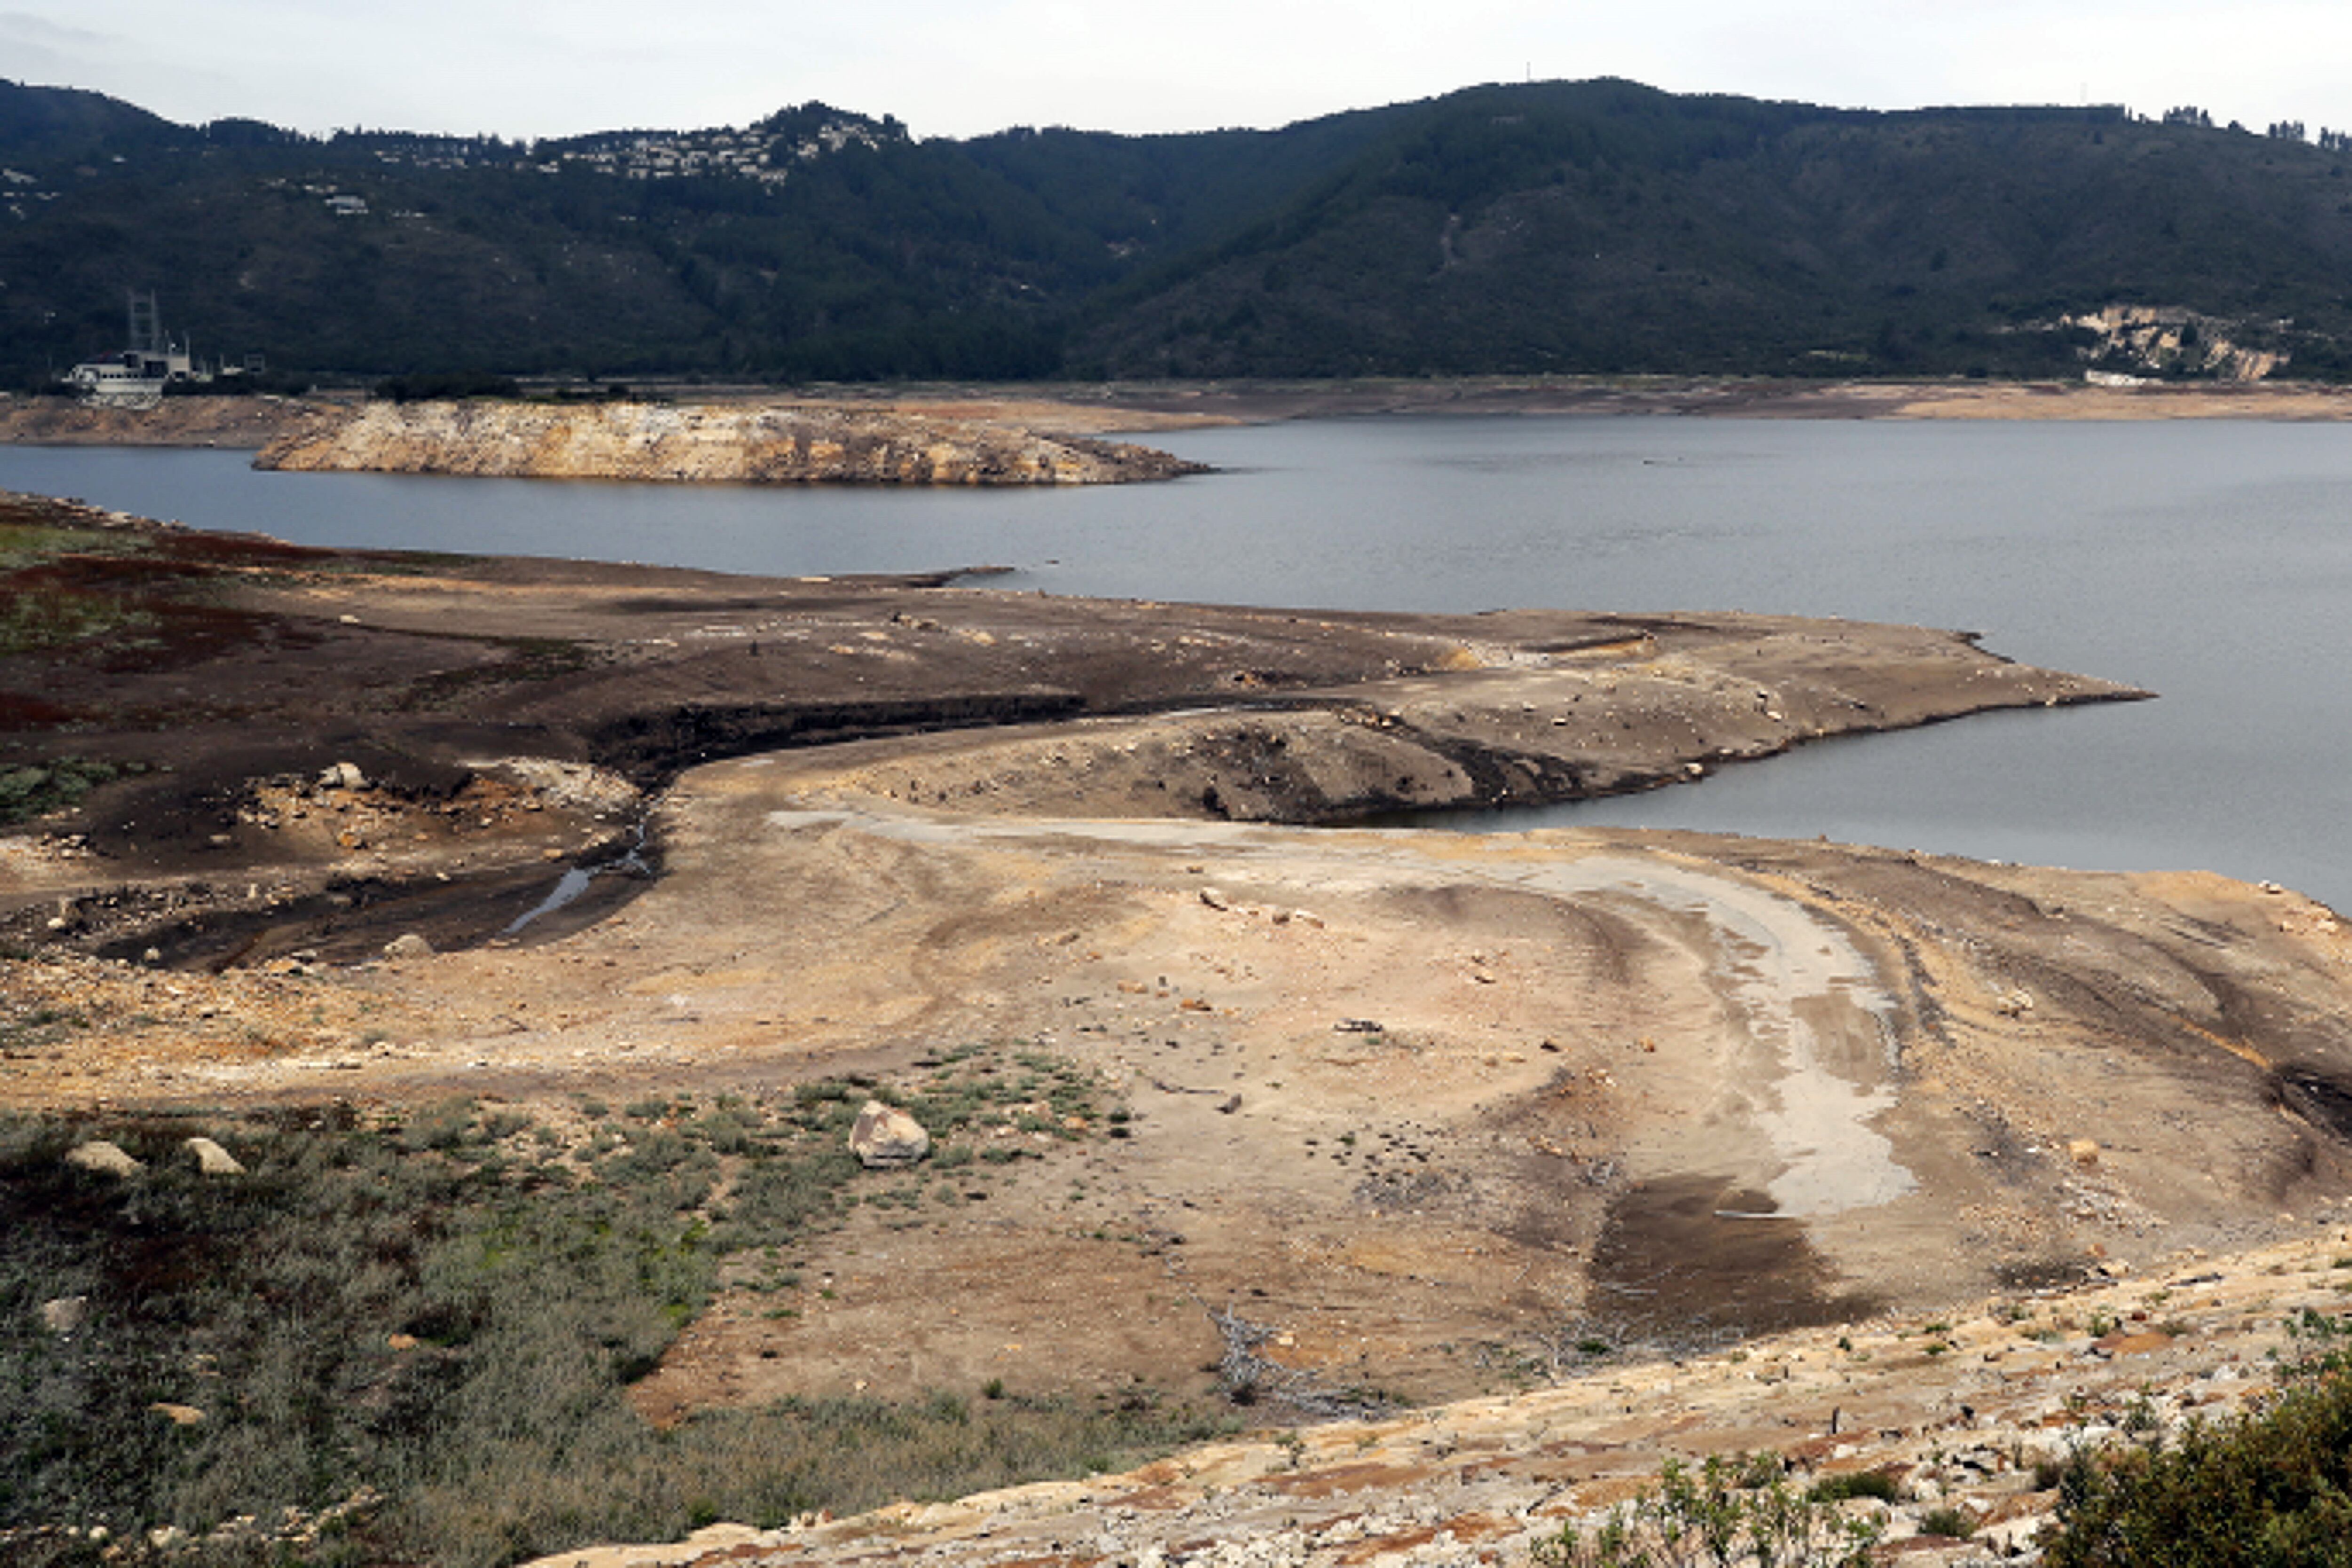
(957, 68)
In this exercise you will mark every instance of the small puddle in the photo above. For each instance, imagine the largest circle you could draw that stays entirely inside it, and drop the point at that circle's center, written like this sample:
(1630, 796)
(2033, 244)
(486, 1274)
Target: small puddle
(575, 882)
(351, 921)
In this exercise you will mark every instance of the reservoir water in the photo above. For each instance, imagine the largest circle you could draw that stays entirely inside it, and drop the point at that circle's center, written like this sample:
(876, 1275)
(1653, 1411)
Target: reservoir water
(2208, 560)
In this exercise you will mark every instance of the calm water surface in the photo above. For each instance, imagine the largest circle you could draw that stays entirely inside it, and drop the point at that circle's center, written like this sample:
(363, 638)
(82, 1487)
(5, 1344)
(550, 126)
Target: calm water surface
(2211, 561)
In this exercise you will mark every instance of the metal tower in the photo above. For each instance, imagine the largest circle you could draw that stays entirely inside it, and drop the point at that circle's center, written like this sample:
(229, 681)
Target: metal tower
(146, 324)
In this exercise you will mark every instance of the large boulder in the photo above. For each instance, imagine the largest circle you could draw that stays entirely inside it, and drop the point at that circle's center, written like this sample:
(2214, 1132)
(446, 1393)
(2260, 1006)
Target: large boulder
(66, 1315)
(887, 1136)
(213, 1160)
(102, 1158)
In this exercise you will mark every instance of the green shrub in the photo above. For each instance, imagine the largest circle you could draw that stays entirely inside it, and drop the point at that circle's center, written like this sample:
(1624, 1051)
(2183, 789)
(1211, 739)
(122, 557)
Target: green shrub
(1957, 1523)
(1875, 1484)
(1723, 1513)
(56, 784)
(2271, 1485)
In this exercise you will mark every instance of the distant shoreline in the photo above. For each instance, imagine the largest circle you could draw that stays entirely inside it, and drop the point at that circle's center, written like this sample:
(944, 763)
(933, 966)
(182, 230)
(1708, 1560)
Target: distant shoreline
(1054, 408)
(1240, 401)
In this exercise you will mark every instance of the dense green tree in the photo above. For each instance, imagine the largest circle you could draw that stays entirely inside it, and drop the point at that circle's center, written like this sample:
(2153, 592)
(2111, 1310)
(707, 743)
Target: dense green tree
(1562, 226)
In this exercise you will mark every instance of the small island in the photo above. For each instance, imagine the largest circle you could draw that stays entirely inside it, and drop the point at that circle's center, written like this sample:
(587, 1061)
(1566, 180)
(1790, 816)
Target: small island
(707, 443)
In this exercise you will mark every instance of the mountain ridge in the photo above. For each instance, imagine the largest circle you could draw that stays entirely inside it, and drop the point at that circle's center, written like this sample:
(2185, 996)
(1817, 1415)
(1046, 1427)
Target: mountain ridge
(1580, 228)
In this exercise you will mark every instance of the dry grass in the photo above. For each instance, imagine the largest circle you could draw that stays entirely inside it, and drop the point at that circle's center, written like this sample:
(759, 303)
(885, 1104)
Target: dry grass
(447, 1308)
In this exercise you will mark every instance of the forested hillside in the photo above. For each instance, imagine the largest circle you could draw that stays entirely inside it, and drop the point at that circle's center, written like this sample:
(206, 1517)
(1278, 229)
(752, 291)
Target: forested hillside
(1587, 226)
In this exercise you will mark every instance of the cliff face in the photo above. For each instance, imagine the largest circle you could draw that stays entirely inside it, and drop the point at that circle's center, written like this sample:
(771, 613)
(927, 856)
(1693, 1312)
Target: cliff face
(710, 444)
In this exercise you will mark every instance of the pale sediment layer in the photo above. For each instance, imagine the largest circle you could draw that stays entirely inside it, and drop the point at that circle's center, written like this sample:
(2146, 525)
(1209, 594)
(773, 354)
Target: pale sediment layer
(709, 443)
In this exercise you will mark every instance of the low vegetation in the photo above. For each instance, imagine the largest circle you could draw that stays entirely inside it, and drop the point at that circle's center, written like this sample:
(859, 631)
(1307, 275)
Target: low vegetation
(2269, 1487)
(409, 1338)
(36, 790)
(2273, 1486)
(38, 608)
(1730, 1511)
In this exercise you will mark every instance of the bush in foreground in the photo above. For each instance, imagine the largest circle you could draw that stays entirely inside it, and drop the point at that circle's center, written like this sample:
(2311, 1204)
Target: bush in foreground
(1727, 1512)
(2273, 1487)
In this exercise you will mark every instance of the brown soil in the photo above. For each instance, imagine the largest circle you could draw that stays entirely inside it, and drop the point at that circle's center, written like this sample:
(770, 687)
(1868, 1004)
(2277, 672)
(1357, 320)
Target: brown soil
(1434, 1109)
(249, 423)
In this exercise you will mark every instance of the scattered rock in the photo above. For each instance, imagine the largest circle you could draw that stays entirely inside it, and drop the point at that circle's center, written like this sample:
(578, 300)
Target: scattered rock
(2082, 1150)
(1214, 899)
(1357, 1026)
(342, 776)
(407, 944)
(65, 1315)
(102, 1158)
(2014, 1004)
(213, 1160)
(886, 1136)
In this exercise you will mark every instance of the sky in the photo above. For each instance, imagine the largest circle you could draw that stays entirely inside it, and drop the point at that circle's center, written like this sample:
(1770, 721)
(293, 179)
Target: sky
(526, 68)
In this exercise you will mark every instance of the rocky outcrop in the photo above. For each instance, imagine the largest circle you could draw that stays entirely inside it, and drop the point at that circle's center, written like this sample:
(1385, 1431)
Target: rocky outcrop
(101, 1157)
(748, 444)
(886, 1137)
(211, 1160)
